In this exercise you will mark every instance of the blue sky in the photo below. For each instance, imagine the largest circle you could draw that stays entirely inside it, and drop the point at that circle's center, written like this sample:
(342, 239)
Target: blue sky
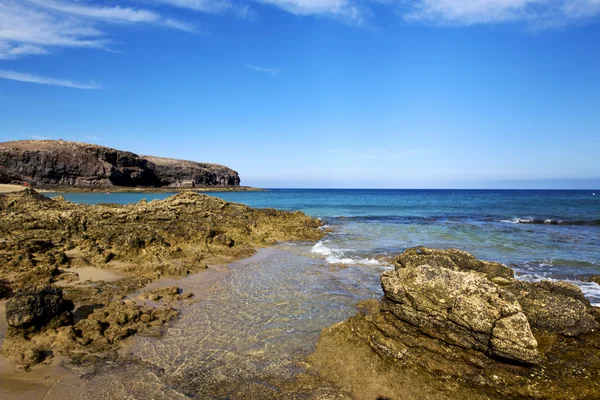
(317, 93)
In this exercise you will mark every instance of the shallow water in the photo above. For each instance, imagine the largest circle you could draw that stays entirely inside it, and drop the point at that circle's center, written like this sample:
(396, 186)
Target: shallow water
(542, 234)
(249, 330)
(250, 325)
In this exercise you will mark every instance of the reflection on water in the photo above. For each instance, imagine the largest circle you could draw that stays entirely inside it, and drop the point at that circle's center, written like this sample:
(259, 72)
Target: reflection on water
(252, 330)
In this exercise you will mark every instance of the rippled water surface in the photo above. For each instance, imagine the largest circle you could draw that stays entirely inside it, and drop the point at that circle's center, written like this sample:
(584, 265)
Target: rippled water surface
(251, 329)
(543, 234)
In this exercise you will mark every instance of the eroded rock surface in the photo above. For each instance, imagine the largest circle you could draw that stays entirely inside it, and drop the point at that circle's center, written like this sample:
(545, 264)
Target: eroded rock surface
(450, 326)
(42, 238)
(34, 309)
(461, 308)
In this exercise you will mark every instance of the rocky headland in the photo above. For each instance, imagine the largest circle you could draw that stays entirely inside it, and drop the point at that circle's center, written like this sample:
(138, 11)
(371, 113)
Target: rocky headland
(58, 164)
(450, 326)
(44, 241)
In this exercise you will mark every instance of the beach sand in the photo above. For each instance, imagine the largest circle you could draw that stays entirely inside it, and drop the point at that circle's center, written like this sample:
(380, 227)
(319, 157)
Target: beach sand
(8, 188)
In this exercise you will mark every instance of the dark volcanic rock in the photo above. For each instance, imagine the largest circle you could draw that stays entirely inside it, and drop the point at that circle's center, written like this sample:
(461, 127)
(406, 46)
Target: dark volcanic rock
(37, 308)
(61, 163)
(180, 173)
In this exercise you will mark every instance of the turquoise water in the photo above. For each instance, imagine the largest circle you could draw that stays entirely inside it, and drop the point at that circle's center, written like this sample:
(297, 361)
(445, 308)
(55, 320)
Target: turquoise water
(542, 234)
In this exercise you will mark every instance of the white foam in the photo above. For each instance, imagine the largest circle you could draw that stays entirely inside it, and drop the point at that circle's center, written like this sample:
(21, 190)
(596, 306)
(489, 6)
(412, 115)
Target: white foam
(320, 248)
(338, 257)
(332, 259)
(517, 220)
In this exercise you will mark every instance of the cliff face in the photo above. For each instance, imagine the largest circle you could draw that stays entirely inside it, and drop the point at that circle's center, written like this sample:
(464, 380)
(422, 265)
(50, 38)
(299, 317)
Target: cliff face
(61, 163)
(180, 173)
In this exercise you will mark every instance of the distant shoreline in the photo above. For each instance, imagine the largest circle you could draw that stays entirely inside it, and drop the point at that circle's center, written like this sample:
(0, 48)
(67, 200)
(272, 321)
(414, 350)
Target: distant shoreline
(8, 188)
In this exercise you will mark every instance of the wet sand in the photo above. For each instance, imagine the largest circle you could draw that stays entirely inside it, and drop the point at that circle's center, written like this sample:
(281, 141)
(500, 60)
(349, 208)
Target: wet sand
(59, 380)
(92, 274)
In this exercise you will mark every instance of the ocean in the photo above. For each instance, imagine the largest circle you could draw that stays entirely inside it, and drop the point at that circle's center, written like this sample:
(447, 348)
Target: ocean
(542, 234)
(251, 324)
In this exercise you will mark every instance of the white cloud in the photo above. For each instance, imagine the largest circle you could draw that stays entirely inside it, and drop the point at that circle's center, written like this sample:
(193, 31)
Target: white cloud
(23, 77)
(208, 6)
(274, 72)
(535, 13)
(34, 27)
(236, 9)
(8, 52)
(346, 9)
(117, 14)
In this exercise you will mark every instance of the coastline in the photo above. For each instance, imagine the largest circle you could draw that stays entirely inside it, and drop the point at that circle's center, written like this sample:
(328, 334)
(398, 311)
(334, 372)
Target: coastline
(142, 242)
(10, 188)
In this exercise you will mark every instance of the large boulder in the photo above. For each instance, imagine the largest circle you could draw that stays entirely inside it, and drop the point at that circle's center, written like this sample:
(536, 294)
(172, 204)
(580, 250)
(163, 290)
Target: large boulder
(454, 259)
(450, 326)
(556, 307)
(36, 309)
(461, 308)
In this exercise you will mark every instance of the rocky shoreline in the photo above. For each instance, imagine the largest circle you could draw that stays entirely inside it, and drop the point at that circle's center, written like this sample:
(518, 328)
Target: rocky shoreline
(43, 241)
(451, 326)
(448, 326)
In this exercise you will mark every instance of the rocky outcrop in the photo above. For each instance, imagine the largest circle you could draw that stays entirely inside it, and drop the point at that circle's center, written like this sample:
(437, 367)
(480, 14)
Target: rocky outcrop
(461, 308)
(102, 330)
(48, 163)
(40, 236)
(180, 173)
(34, 309)
(41, 239)
(450, 326)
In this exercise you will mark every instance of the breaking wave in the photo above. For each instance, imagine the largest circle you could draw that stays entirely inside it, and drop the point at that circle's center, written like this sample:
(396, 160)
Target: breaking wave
(337, 256)
(550, 221)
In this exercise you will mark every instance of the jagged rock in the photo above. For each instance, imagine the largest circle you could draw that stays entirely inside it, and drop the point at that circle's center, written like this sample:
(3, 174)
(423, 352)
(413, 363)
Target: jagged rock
(101, 331)
(41, 238)
(35, 309)
(167, 237)
(593, 278)
(453, 259)
(61, 163)
(110, 324)
(165, 293)
(461, 308)
(556, 307)
(452, 330)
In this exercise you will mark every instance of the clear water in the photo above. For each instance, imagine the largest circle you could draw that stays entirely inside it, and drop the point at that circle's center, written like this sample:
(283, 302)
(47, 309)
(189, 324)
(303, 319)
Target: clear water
(543, 234)
(247, 333)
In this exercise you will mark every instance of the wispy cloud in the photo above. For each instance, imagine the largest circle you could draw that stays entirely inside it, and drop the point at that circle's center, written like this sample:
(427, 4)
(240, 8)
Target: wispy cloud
(346, 9)
(274, 72)
(23, 77)
(242, 11)
(35, 27)
(538, 14)
(534, 13)
(119, 14)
